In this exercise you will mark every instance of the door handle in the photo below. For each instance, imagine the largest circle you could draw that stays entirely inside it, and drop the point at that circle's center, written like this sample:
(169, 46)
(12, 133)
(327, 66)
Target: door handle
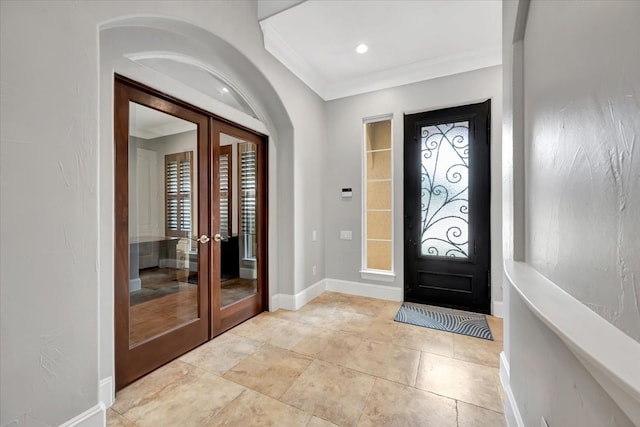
(203, 239)
(217, 237)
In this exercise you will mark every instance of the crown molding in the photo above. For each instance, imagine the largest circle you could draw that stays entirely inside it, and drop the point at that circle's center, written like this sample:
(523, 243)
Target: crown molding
(275, 45)
(398, 76)
(416, 72)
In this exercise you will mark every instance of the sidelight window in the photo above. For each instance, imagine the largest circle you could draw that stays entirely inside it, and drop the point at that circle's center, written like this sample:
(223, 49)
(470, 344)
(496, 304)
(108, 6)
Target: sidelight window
(378, 198)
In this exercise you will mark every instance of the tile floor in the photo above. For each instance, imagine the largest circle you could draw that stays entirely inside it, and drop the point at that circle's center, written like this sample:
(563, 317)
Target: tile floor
(340, 360)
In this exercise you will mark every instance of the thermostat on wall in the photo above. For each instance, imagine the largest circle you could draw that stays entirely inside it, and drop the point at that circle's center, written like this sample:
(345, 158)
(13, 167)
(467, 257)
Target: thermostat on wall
(347, 192)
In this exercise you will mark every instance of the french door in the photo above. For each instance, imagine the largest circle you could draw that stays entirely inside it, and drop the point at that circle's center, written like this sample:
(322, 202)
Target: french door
(241, 257)
(446, 208)
(185, 268)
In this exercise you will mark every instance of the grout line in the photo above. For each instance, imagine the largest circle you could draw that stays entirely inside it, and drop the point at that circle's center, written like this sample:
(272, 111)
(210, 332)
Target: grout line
(292, 384)
(418, 373)
(212, 416)
(331, 333)
(481, 407)
(367, 399)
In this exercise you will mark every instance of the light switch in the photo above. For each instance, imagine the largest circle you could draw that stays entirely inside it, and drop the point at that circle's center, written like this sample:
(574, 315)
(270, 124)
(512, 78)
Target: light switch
(345, 235)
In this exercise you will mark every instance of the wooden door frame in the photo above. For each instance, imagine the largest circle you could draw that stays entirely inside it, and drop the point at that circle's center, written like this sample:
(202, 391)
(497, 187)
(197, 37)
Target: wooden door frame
(130, 363)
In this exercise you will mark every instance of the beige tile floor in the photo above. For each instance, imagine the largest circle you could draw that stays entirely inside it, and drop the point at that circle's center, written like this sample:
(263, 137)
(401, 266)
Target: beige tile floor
(339, 360)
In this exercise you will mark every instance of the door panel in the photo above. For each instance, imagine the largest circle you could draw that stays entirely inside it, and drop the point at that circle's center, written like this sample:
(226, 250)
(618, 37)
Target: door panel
(447, 236)
(162, 272)
(240, 219)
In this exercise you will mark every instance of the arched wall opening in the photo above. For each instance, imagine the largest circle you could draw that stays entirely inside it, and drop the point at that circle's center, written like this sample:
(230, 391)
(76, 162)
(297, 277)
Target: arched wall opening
(121, 42)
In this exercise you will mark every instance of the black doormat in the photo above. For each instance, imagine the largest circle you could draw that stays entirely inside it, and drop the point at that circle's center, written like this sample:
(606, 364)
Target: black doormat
(445, 319)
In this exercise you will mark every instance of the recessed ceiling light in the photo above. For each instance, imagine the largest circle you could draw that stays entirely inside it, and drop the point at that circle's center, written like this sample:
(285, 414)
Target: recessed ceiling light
(362, 48)
(225, 90)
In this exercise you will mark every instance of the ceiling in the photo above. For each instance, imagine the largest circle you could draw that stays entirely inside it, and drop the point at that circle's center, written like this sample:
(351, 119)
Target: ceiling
(408, 40)
(148, 123)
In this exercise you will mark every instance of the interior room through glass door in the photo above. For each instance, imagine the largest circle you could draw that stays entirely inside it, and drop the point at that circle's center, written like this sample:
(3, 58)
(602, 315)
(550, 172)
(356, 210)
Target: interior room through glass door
(190, 228)
(163, 250)
(239, 292)
(162, 228)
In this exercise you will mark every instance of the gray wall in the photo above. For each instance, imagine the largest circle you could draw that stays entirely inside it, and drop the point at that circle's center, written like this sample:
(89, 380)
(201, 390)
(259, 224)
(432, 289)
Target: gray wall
(344, 163)
(56, 302)
(571, 117)
(547, 379)
(582, 103)
(48, 214)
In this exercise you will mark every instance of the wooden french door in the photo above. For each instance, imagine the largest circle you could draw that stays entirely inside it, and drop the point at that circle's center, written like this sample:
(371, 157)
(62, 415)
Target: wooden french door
(446, 208)
(241, 223)
(182, 274)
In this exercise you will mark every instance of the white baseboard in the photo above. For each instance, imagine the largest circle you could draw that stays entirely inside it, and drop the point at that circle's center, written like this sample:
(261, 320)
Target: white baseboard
(105, 391)
(511, 411)
(297, 301)
(135, 284)
(274, 302)
(287, 302)
(93, 417)
(497, 309)
(302, 298)
(390, 293)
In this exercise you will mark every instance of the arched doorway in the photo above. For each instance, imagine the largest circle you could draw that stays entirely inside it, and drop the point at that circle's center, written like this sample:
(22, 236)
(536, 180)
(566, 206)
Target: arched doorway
(126, 47)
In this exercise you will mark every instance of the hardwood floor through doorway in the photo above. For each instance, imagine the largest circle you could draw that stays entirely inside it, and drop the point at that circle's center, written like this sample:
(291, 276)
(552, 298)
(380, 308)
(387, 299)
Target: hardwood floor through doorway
(166, 300)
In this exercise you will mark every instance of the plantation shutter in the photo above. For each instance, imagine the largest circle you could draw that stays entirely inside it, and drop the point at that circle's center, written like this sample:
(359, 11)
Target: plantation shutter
(225, 191)
(248, 207)
(178, 184)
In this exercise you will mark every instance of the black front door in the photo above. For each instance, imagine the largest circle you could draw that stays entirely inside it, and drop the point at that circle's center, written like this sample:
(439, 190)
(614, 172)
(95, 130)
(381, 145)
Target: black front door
(446, 207)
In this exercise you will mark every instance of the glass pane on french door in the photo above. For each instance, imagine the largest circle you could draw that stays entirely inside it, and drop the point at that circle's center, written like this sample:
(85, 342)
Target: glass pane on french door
(163, 252)
(238, 175)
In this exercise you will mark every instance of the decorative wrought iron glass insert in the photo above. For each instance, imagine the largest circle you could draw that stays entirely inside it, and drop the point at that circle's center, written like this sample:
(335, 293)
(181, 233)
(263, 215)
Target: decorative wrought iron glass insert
(445, 190)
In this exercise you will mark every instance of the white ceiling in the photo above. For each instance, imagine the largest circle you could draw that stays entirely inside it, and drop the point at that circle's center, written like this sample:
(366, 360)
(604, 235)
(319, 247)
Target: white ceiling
(408, 41)
(147, 123)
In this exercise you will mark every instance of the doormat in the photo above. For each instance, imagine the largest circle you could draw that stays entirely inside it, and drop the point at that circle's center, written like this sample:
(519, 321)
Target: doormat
(445, 319)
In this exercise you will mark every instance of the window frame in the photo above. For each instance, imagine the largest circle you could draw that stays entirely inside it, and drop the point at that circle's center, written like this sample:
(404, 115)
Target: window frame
(365, 272)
